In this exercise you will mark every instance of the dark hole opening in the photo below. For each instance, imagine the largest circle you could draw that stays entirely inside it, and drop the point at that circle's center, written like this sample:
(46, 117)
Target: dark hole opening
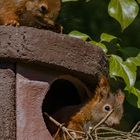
(61, 93)
(65, 91)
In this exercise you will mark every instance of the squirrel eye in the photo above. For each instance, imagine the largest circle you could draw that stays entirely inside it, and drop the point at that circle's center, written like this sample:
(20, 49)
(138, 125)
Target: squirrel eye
(43, 9)
(107, 108)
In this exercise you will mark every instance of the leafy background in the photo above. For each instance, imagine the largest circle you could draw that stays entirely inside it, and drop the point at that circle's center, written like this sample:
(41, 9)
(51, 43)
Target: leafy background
(113, 25)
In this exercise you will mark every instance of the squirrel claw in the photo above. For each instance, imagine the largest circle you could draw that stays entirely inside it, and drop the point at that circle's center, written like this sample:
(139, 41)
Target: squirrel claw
(13, 23)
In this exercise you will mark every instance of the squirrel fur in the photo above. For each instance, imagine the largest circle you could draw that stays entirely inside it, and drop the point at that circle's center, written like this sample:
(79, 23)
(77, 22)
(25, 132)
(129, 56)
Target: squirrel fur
(81, 117)
(34, 13)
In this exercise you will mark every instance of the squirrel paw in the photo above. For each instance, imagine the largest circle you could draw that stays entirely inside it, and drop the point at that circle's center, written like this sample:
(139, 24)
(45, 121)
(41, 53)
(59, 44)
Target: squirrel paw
(12, 22)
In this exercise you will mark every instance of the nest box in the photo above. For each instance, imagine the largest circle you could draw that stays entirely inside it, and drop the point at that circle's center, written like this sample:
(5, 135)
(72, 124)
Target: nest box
(42, 71)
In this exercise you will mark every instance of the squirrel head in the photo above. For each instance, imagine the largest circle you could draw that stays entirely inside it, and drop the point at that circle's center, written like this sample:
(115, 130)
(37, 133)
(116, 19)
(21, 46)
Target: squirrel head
(44, 11)
(107, 101)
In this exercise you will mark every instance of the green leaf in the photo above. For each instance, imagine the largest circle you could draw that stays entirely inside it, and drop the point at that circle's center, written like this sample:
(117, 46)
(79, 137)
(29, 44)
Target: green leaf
(101, 45)
(134, 60)
(79, 35)
(138, 1)
(137, 84)
(107, 37)
(119, 68)
(133, 97)
(129, 51)
(124, 11)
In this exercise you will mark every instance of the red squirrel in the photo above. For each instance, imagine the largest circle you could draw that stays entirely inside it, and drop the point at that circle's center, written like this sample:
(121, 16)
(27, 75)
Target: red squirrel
(81, 117)
(35, 13)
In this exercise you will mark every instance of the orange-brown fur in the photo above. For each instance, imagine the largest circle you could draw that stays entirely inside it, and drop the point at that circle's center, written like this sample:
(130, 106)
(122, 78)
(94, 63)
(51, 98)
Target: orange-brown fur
(28, 12)
(81, 117)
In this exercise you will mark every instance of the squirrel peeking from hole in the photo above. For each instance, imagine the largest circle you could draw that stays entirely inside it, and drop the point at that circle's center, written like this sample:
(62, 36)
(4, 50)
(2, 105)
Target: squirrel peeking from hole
(82, 117)
(33, 13)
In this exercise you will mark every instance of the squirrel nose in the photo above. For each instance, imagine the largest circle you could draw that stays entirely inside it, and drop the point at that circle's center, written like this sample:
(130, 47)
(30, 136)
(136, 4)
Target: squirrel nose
(112, 121)
(43, 9)
(109, 123)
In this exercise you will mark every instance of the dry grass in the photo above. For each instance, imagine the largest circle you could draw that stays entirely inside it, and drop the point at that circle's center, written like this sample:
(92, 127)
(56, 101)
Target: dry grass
(97, 132)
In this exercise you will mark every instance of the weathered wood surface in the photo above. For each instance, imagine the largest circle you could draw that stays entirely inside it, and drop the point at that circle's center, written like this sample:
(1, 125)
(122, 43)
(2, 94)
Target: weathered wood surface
(7, 102)
(29, 98)
(41, 48)
(51, 49)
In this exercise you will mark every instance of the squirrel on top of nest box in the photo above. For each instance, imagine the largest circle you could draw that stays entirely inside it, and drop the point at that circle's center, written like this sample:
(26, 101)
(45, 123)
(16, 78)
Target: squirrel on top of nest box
(82, 117)
(34, 13)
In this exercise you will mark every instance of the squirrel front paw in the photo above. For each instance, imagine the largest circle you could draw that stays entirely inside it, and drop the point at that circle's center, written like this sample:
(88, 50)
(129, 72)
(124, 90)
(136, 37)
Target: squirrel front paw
(11, 19)
(12, 22)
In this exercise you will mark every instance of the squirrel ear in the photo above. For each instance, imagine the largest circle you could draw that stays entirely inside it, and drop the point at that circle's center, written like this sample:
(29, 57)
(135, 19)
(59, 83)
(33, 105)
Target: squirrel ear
(103, 82)
(120, 96)
(103, 89)
(29, 6)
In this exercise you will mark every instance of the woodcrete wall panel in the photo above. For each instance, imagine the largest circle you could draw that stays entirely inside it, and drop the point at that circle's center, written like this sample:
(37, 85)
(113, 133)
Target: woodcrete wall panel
(7, 102)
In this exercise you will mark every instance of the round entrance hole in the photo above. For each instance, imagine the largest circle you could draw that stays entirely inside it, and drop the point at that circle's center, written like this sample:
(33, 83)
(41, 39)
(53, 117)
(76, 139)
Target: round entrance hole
(64, 91)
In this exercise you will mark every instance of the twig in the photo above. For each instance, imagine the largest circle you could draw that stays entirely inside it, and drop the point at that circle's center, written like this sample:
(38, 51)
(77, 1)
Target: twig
(135, 127)
(66, 131)
(103, 120)
(61, 126)
(64, 135)
(58, 130)
(111, 132)
(53, 120)
(97, 132)
(89, 133)
(76, 131)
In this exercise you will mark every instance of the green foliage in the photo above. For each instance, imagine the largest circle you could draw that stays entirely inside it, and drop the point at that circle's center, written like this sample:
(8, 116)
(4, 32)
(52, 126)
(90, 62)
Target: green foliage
(134, 60)
(80, 35)
(138, 1)
(100, 44)
(124, 11)
(119, 68)
(133, 96)
(124, 58)
(107, 37)
(129, 51)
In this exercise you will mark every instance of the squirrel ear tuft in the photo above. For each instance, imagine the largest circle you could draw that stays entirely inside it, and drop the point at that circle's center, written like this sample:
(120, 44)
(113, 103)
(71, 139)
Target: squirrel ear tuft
(103, 89)
(120, 96)
(29, 5)
(103, 82)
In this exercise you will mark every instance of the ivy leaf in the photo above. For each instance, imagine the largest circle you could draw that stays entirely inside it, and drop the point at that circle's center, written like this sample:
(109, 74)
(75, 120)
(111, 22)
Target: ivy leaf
(133, 96)
(101, 45)
(119, 68)
(79, 35)
(137, 84)
(138, 1)
(124, 11)
(134, 60)
(107, 37)
(129, 51)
